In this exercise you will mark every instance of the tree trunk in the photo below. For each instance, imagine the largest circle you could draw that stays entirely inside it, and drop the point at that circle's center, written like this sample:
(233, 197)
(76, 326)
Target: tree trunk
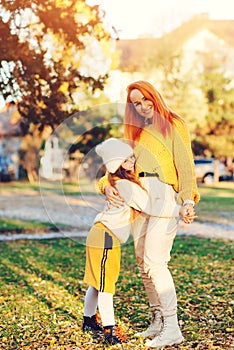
(31, 145)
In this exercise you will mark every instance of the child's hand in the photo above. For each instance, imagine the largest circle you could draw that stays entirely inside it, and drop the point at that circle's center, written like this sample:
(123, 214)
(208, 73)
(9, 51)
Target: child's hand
(112, 197)
(187, 213)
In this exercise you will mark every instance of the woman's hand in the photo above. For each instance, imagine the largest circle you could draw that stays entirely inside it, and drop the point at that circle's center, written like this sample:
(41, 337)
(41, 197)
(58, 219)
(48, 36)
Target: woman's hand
(187, 213)
(113, 197)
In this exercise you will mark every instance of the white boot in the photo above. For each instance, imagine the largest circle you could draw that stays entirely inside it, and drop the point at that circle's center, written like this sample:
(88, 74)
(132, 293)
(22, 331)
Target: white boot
(155, 326)
(169, 335)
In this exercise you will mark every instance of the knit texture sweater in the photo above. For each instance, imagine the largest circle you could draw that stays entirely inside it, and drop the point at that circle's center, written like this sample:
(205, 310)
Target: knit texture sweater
(170, 157)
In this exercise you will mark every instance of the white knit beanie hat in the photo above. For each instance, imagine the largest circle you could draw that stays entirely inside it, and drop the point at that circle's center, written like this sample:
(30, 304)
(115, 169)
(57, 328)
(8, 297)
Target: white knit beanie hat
(113, 153)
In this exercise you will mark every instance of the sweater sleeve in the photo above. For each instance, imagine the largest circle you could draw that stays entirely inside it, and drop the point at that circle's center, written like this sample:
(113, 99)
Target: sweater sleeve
(134, 196)
(103, 182)
(184, 164)
(149, 203)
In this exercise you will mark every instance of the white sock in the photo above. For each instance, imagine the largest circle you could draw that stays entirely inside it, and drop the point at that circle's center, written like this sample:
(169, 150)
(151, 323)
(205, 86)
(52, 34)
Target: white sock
(106, 308)
(91, 301)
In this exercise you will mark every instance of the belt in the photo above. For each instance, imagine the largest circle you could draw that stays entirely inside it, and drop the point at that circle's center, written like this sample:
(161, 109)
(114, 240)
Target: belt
(145, 174)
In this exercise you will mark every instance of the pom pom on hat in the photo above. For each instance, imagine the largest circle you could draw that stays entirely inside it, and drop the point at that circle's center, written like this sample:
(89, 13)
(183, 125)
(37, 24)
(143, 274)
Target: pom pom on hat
(113, 153)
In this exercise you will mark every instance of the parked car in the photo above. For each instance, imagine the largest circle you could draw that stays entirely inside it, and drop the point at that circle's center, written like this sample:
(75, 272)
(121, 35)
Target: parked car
(204, 169)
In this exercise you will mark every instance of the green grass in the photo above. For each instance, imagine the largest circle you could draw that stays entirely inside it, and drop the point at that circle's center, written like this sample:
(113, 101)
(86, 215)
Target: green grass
(23, 226)
(216, 204)
(16, 186)
(42, 294)
(48, 187)
(8, 225)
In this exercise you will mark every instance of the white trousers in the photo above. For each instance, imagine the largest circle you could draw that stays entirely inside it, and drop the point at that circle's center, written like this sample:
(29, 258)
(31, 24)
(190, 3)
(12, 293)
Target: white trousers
(153, 241)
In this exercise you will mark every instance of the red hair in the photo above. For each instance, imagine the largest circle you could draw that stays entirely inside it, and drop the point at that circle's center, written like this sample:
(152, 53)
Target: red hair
(163, 118)
(121, 173)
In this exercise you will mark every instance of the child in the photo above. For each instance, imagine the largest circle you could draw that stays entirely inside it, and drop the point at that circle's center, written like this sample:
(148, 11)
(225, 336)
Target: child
(111, 228)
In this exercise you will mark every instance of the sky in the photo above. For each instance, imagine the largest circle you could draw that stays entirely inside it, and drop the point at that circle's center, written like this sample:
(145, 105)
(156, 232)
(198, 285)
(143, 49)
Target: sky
(141, 18)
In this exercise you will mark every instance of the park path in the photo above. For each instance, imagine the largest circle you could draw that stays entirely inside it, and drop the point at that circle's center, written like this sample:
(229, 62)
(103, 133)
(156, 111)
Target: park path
(78, 212)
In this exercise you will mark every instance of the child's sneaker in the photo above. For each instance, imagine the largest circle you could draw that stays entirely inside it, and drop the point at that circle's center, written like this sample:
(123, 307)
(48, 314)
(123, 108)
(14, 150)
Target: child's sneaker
(91, 324)
(113, 335)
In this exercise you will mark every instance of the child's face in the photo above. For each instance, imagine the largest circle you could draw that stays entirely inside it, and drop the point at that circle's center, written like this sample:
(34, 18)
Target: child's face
(129, 163)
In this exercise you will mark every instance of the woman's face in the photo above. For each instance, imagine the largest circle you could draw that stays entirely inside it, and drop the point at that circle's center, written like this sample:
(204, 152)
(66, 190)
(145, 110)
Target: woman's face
(142, 105)
(129, 163)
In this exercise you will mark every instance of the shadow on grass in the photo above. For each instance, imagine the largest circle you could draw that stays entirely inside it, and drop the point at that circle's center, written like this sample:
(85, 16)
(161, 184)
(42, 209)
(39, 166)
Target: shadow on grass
(42, 294)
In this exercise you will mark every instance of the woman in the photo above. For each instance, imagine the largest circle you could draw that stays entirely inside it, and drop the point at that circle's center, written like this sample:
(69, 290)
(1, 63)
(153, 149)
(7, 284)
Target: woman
(111, 228)
(162, 147)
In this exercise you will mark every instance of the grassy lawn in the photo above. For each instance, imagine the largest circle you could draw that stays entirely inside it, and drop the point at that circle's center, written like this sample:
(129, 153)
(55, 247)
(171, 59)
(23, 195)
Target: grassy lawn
(42, 293)
(12, 226)
(48, 187)
(16, 225)
(216, 204)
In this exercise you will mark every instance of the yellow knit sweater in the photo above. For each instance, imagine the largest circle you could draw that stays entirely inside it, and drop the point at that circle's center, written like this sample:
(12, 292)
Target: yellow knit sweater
(170, 157)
